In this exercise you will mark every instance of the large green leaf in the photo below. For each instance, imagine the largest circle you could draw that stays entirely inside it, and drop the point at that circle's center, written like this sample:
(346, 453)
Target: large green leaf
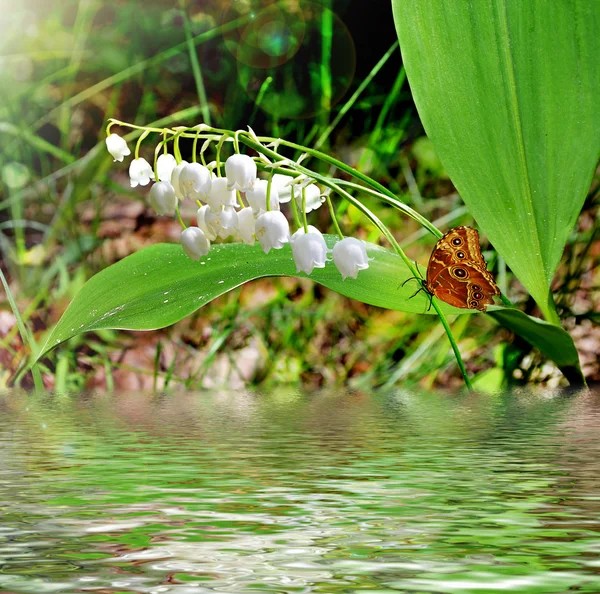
(160, 285)
(508, 91)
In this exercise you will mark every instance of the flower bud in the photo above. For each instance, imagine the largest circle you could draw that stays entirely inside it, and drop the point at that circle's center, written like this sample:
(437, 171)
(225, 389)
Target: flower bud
(117, 147)
(272, 230)
(175, 179)
(140, 172)
(164, 166)
(162, 198)
(195, 243)
(309, 251)
(350, 256)
(195, 181)
(257, 197)
(241, 172)
(219, 195)
(246, 225)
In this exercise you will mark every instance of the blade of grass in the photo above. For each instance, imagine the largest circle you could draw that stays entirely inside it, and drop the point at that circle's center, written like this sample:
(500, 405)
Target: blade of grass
(198, 79)
(25, 335)
(348, 105)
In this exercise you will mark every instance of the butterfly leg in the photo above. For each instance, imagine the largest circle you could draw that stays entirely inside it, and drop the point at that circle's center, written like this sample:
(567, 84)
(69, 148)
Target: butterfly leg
(430, 300)
(415, 278)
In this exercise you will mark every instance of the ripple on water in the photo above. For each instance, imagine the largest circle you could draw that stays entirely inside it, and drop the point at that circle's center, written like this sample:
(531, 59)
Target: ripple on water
(281, 493)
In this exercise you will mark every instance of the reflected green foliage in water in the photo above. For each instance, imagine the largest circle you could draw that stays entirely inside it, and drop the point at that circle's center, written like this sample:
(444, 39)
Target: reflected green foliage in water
(285, 493)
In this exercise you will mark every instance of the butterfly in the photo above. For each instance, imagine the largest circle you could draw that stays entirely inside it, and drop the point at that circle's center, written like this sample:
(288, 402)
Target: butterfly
(457, 273)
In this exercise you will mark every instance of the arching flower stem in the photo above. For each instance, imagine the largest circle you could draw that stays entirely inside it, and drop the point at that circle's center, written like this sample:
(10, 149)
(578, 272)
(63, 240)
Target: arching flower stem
(139, 143)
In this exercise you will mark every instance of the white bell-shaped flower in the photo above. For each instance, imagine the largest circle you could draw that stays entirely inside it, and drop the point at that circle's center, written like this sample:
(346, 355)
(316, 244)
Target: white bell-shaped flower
(300, 232)
(205, 222)
(195, 181)
(117, 147)
(140, 172)
(272, 230)
(240, 171)
(162, 198)
(257, 197)
(309, 251)
(283, 183)
(195, 243)
(350, 256)
(225, 221)
(219, 195)
(175, 179)
(246, 225)
(313, 197)
(164, 166)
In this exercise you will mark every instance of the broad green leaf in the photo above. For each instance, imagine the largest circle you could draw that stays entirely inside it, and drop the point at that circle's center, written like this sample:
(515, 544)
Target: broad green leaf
(508, 91)
(552, 340)
(160, 285)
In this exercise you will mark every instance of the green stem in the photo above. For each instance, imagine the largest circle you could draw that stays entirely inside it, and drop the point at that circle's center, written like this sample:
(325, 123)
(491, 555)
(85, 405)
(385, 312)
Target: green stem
(297, 220)
(239, 198)
(194, 145)
(269, 184)
(304, 221)
(183, 225)
(453, 343)
(333, 217)
(139, 142)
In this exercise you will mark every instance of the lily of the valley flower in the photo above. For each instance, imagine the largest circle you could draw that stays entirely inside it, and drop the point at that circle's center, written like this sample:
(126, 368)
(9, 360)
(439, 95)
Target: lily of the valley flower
(222, 222)
(175, 179)
(205, 222)
(283, 183)
(195, 243)
(246, 225)
(257, 197)
(272, 230)
(309, 251)
(219, 195)
(313, 197)
(350, 256)
(162, 198)
(240, 171)
(117, 147)
(225, 221)
(301, 231)
(195, 181)
(164, 167)
(140, 172)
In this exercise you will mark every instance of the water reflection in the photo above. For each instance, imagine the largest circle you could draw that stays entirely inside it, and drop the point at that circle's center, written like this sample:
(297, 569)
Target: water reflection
(294, 493)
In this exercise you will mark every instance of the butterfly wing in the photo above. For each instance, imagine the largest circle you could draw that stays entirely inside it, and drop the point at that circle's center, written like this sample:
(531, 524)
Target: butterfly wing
(457, 272)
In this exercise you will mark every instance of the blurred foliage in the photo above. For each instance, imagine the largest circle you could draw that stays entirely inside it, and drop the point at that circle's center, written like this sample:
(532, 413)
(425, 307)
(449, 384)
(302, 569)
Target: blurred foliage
(66, 212)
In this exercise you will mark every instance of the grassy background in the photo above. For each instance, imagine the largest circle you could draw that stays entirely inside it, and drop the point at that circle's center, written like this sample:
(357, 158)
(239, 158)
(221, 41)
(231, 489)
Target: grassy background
(319, 73)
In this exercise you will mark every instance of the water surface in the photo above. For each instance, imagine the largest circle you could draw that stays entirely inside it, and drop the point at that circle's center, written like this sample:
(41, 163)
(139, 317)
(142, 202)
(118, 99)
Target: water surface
(330, 493)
